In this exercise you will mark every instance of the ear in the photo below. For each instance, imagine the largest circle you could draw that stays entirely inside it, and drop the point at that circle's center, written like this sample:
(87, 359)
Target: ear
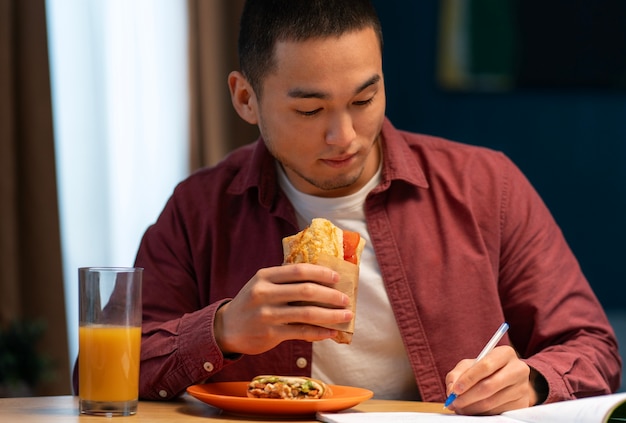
(243, 97)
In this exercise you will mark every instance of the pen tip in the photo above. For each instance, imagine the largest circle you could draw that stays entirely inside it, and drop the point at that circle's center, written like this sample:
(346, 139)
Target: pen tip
(449, 401)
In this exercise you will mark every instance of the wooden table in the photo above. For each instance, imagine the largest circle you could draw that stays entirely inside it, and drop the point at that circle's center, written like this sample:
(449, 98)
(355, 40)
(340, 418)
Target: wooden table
(187, 409)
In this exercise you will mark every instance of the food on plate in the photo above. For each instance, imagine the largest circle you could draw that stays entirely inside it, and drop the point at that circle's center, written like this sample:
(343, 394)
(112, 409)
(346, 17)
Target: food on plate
(325, 244)
(288, 387)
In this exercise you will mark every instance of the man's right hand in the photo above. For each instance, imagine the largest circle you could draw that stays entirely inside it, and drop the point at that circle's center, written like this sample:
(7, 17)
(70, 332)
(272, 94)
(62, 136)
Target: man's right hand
(263, 315)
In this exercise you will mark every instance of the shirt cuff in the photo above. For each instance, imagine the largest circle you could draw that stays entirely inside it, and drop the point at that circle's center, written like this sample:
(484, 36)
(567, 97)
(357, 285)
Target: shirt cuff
(198, 349)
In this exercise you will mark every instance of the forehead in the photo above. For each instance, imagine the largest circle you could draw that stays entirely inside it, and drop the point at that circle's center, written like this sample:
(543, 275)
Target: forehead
(353, 55)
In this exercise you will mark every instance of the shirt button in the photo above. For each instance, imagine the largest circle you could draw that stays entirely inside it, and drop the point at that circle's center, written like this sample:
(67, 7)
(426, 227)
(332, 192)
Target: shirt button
(301, 362)
(208, 366)
(163, 393)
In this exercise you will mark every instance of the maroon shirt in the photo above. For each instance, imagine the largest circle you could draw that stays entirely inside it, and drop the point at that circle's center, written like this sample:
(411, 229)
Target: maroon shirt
(463, 242)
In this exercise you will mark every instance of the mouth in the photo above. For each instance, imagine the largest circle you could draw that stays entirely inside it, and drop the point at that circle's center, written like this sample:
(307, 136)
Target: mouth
(340, 161)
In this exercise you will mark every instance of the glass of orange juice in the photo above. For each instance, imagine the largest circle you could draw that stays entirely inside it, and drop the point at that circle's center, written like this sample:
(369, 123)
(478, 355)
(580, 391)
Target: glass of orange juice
(109, 338)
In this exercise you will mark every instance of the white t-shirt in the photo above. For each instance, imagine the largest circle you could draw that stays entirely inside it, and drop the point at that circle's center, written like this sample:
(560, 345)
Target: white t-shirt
(376, 359)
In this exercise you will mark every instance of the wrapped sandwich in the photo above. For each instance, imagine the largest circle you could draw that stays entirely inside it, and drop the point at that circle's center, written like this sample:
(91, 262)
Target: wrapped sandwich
(288, 387)
(325, 244)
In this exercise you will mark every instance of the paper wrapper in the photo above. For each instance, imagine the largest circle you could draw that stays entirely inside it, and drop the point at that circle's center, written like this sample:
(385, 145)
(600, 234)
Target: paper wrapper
(348, 284)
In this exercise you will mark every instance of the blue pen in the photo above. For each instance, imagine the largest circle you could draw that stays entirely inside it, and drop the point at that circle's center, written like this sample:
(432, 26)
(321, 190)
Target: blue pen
(490, 346)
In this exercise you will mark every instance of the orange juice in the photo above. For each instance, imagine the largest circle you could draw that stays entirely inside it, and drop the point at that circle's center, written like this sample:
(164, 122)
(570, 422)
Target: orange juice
(108, 362)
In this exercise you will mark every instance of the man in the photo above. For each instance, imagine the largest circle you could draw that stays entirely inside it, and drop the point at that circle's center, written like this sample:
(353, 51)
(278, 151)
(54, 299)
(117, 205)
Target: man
(457, 243)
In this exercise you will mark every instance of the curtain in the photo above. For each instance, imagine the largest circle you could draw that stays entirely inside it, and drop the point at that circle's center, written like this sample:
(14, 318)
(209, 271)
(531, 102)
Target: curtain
(119, 72)
(31, 279)
(215, 127)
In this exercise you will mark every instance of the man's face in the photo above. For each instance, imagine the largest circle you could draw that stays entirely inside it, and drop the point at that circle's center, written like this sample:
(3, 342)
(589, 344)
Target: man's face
(322, 110)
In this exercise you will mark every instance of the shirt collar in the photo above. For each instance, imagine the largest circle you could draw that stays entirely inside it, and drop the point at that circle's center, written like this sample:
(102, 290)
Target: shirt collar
(399, 161)
(259, 173)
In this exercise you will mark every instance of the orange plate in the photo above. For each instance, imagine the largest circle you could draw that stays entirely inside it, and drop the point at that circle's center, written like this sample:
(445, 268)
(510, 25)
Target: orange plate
(231, 397)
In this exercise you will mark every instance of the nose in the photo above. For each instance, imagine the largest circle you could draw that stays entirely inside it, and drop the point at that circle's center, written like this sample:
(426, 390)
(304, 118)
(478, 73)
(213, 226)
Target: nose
(340, 129)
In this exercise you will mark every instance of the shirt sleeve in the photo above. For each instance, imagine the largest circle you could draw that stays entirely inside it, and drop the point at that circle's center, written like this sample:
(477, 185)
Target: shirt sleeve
(561, 329)
(178, 346)
(179, 353)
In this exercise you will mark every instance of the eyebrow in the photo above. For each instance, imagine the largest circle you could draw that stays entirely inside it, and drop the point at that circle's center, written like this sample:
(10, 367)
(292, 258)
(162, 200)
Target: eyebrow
(303, 93)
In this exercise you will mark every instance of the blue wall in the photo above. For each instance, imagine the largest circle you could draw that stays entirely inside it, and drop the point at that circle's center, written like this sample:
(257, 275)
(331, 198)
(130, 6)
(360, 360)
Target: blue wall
(570, 143)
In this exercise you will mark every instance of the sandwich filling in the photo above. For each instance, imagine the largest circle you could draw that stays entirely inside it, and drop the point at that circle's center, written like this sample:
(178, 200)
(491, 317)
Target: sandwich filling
(282, 387)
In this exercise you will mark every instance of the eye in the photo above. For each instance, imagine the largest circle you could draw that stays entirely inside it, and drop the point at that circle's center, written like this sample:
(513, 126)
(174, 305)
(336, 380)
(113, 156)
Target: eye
(309, 112)
(364, 102)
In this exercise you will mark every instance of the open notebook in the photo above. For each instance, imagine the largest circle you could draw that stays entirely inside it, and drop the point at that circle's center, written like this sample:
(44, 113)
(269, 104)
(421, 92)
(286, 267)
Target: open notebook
(600, 409)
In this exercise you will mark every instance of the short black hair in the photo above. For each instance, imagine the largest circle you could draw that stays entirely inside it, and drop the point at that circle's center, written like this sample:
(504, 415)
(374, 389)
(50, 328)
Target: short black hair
(265, 22)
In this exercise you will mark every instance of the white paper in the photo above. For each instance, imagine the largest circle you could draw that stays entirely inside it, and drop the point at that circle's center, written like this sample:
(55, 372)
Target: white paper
(586, 410)
(407, 417)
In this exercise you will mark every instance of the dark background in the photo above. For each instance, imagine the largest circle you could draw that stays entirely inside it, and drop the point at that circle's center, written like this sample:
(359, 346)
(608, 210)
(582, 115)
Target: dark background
(570, 140)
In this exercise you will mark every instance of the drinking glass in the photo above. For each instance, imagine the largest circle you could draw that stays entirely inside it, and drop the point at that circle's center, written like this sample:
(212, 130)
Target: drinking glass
(109, 336)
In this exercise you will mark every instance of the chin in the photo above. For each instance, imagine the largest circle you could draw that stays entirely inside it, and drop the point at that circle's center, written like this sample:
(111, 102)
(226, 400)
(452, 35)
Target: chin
(337, 185)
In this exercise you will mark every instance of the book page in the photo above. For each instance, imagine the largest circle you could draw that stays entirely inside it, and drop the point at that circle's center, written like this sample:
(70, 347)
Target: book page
(585, 410)
(406, 417)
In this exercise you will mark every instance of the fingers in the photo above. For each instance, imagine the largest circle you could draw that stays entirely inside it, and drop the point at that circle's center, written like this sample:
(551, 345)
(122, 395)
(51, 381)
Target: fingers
(299, 273)
(291, 284)
(468, 372)
(310, 314)
(251, 331)
(281, 303)
(495, 384)
(455, 373)
(504, 400)
(304, 332)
